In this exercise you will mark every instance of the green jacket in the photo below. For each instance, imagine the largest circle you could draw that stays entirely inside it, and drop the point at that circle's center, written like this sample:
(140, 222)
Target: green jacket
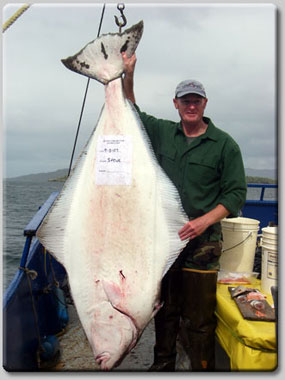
(206, 173)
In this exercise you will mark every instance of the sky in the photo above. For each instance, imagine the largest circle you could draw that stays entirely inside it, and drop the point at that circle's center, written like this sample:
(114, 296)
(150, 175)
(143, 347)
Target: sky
(230, 48)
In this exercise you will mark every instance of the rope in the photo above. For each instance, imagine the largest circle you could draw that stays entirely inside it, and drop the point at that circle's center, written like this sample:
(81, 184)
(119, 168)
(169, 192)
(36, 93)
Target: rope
(32, 275)
(84, 99)
(56, 283)
(15, 16)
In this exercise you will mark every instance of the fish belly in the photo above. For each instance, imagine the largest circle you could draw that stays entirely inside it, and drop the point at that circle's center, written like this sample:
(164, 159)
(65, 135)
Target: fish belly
(114, 226)
(121, 232)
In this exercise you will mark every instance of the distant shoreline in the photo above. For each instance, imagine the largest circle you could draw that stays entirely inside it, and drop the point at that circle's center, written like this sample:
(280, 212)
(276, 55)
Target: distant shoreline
(252, 180)
(267, 181)
(266, 176)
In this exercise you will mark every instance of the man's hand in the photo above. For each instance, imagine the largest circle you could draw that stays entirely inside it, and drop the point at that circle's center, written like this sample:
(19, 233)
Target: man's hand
(193, 228)
(129, 63)
(197, 226)
(128, 79)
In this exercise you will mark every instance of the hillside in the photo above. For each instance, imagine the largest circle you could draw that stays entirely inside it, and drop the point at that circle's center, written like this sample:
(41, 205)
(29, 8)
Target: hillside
(263, 173)
(41, 177)
(253, 176)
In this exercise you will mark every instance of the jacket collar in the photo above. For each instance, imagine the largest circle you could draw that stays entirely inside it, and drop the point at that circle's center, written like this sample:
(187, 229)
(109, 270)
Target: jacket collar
(211, 132)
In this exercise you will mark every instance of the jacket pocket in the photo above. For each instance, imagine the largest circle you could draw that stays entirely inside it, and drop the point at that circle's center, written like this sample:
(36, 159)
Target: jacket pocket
(203, 168)
(208, 162)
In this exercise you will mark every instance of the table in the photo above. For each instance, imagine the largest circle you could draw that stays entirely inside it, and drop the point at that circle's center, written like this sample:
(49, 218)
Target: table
(250, 345)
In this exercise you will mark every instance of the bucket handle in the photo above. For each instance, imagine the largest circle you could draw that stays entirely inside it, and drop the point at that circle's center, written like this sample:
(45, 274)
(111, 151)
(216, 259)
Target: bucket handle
(225, 250)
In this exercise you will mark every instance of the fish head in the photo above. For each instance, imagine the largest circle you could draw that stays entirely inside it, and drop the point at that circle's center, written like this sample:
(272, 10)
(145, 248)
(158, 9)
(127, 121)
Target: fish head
(111, 338)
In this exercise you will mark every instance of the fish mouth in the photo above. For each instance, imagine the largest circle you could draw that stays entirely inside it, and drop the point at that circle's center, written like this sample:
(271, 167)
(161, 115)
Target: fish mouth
(108, 357)
(102, 359)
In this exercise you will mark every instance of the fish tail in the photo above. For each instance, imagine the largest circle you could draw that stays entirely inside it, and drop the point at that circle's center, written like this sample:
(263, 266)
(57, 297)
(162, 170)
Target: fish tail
(101, 59)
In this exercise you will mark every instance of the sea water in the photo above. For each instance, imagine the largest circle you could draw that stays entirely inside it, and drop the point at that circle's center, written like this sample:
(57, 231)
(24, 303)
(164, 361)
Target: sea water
(21, 201)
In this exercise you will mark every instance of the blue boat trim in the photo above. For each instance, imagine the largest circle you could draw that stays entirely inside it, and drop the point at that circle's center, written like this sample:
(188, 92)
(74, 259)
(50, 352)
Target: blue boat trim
(34, 224)
(266, 211)
(262, 186)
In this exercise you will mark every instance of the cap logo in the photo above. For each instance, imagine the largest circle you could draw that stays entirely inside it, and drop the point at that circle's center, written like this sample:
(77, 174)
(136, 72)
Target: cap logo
(194, 85)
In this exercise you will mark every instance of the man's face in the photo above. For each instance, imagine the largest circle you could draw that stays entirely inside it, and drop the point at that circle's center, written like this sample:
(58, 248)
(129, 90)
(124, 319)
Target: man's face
(190, 107)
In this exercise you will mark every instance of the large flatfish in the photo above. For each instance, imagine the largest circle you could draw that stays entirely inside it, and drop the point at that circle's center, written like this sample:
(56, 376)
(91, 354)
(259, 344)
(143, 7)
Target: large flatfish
(115, 224)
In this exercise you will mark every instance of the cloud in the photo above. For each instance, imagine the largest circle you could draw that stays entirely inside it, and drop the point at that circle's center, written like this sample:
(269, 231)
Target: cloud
(230, 48)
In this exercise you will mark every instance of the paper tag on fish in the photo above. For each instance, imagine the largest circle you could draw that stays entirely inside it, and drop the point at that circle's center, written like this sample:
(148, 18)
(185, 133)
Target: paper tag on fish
(114, 160)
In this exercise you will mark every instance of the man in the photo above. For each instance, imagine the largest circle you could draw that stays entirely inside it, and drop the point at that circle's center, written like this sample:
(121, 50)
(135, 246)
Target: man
(206, 166)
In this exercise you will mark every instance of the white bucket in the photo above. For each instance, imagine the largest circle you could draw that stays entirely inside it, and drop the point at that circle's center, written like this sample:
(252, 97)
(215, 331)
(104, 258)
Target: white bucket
(239, 244)
(269, 262)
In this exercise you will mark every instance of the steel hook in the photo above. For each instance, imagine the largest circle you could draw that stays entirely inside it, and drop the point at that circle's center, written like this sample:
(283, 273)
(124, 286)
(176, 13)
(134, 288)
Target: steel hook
(121, 8)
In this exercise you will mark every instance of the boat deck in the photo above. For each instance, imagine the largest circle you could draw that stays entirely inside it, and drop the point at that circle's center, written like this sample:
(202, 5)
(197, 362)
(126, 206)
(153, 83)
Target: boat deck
(76, 353)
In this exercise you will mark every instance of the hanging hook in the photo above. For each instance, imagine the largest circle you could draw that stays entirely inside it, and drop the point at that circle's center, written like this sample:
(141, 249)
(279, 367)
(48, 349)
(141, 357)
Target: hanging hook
(121, 8)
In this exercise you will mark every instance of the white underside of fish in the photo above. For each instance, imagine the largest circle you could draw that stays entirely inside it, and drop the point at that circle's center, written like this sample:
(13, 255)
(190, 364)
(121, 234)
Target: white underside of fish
(115, 227)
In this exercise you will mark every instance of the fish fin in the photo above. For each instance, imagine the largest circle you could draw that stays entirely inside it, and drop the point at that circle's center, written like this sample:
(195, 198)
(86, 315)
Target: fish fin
(117, 298)
(113, 293)
(175, 215)
(52, 229)
(156, 308)
(101, 59)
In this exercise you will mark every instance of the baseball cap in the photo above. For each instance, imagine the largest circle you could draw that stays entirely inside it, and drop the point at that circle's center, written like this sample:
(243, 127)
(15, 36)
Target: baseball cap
(190, 86)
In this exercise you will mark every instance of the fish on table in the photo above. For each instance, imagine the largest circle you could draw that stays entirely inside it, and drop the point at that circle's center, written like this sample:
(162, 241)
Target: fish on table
(115, 224)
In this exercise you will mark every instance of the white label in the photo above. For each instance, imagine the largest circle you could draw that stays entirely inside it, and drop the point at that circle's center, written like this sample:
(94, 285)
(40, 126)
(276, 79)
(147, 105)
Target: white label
(272, 265)
(114, 160)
